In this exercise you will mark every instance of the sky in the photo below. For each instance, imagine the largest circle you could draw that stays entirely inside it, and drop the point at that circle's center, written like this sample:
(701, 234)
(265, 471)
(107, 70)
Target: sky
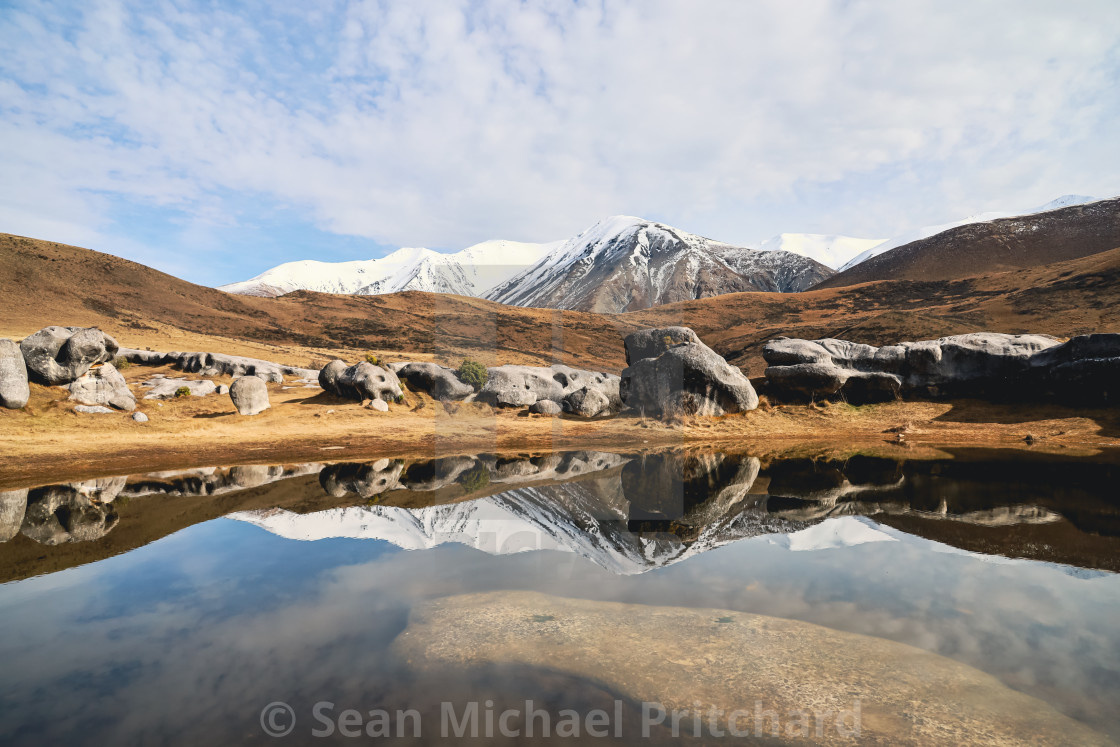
(213, 140)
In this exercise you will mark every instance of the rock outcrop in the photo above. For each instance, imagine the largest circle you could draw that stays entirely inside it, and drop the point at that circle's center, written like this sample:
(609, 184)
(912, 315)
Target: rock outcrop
(249, 395)
(14, 391)
(360, 382)
(103, 385)
(218, 364)
(680, 375)
(984, 364)
(166, 387)
(439, 382)
(1084, 371)
(520, 386)
(59, 355)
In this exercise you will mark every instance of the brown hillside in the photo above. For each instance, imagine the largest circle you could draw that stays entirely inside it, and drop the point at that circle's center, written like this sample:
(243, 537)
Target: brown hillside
(45, 283)
(994, 246)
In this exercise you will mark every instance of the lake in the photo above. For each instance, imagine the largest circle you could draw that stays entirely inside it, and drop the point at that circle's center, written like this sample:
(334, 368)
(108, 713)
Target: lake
(569, 597)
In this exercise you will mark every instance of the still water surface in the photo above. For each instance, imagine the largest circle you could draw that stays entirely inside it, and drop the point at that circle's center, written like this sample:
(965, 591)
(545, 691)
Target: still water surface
(172, 608)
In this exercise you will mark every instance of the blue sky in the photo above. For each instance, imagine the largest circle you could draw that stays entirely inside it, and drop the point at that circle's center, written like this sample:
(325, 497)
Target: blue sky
(213, 140)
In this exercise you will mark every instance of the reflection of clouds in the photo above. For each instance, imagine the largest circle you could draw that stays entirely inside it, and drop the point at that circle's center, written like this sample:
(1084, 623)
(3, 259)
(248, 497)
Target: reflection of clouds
(198, 631)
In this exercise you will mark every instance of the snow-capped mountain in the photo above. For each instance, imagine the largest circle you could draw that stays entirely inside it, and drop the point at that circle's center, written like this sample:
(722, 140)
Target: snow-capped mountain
(470, 272)
(926, 231)
(830, 250)
(624, 263)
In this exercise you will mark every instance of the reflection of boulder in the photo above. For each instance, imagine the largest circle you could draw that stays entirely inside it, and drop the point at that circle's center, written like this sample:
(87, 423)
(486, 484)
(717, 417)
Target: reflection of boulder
(734, 660)
(213, 480)
(433, 474)
(665, 487)
(366, 480)
(75, 512)
(13, 504)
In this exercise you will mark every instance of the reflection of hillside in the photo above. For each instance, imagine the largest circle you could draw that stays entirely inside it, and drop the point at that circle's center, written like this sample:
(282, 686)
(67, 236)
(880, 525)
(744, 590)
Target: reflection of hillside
(627, 513)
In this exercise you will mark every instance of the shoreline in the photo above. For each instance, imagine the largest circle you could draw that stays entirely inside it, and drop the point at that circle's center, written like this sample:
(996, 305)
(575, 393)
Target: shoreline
(49, 440)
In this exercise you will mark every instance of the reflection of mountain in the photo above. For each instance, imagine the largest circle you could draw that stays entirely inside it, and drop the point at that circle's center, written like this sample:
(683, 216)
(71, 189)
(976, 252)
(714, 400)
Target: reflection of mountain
(655, 511)
(626, 513)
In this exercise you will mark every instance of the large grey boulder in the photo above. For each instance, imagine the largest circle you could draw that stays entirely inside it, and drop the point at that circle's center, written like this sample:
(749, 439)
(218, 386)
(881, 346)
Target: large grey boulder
(682, 379)
(439, 382)
(59, 355)
(978, 364)
(520, 386)
(103, 385)
(249, 395)
(14, 390)
(650, 343)
(361, 381)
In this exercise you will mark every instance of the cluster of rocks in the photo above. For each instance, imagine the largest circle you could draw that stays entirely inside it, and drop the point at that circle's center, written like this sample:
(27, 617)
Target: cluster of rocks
(56, 514)
(218, 364)
(990, 365)
(670, 372)
(76, 358)
(550, 390)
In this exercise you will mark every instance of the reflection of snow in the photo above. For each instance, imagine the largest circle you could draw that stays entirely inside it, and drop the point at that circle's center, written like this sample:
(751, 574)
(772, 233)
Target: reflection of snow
(844, 531)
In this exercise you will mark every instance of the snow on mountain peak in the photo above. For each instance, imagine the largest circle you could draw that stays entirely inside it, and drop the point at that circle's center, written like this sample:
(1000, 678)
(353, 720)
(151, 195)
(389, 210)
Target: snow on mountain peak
(830, 250)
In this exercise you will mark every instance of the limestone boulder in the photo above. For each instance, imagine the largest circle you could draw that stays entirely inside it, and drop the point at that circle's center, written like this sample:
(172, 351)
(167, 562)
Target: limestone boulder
(651, 343)
(59, 355)
(435, 380)
(520, 386)
(685, 379)
(167, 387)
(587, 403)
(545, 407)
(360, 382)
(983, 364)
(249, 395)
(14, 390)
(103, 385)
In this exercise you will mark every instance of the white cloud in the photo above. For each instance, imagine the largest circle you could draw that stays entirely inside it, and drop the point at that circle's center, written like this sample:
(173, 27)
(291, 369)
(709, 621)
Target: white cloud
(445, 123)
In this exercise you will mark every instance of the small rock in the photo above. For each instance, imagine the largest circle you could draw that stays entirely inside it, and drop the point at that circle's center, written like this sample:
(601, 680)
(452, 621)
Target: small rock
(249, 395)
(330, 412)
(140, 417)
(223, 389)
(545, 407)
(378, 404)
(92, 409)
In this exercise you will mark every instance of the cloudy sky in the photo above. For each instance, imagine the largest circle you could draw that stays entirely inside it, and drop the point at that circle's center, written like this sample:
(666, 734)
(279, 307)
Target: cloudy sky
(216, 139)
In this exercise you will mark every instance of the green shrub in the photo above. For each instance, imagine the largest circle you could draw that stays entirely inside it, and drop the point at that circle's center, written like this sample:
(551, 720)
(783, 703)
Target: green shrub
(473, 373)
(371, 358)
(476, 478)
(183, 391)
(121, 363)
